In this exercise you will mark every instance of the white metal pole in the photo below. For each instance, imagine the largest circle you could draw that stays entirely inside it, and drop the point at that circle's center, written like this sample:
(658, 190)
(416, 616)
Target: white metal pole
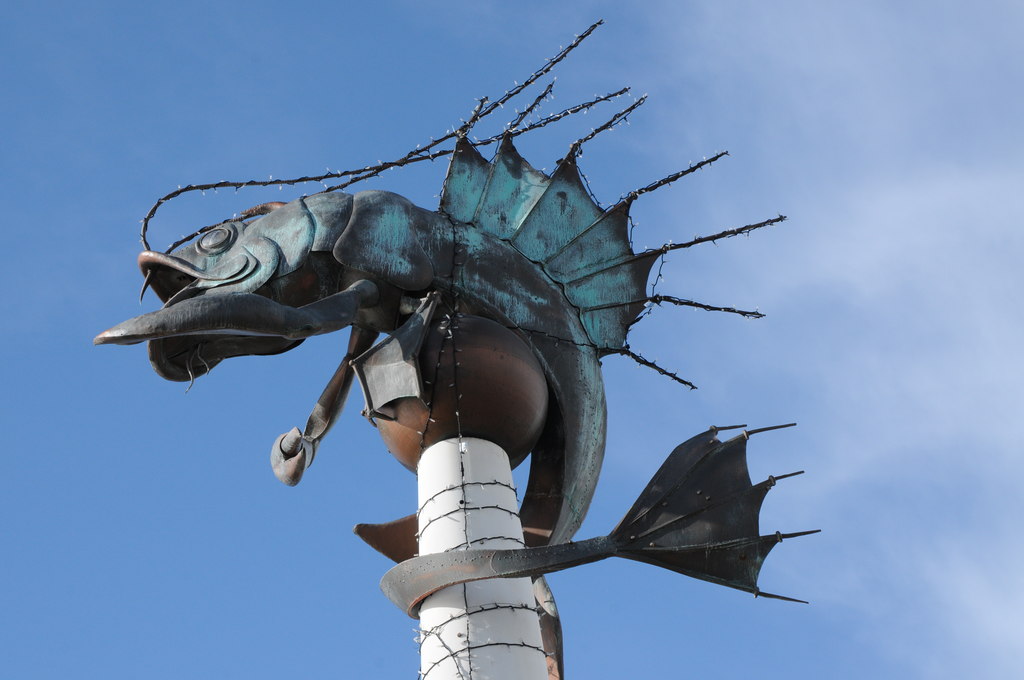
(485, 629)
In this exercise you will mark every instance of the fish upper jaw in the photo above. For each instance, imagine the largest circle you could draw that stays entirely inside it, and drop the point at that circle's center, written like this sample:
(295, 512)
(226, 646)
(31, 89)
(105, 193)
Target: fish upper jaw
(168, 275)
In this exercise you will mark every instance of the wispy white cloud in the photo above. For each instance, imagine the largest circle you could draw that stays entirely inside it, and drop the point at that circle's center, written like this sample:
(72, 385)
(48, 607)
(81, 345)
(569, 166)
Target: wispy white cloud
(900, 285)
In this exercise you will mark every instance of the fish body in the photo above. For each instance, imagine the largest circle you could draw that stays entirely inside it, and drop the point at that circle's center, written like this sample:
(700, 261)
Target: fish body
(508, 243)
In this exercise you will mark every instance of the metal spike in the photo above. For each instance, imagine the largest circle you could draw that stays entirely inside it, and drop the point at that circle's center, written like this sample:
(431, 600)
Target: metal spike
(769, 429)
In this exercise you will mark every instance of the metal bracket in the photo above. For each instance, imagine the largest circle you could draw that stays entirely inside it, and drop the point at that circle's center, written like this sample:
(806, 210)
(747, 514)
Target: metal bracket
(390, 370)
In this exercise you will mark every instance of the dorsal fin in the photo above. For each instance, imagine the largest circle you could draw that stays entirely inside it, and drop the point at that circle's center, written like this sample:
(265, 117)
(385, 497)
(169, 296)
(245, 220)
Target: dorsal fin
(602, 243)
(562, 213)
(513, 187)
(555, 223)
(603, 277)
(610, 299)
(465, 183)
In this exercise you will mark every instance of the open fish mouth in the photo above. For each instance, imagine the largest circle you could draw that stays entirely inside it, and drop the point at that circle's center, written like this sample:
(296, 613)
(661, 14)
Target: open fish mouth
(165, 274)
(189, 336)
(196, 330)
(169, 276)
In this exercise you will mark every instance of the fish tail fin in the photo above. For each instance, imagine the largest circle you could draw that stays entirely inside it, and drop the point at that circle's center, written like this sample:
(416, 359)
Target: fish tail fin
(699, 516)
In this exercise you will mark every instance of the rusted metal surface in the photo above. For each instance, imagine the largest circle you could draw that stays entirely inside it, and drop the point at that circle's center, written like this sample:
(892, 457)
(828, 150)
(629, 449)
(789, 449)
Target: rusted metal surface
(550, 627)
(414, 394)
(395, 540)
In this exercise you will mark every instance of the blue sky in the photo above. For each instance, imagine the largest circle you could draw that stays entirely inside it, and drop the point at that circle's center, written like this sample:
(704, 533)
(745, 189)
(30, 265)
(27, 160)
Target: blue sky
(144, 533)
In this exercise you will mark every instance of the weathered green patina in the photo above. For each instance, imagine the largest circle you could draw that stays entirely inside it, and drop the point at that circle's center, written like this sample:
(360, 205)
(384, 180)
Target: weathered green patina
(510, 249)
(508, 243)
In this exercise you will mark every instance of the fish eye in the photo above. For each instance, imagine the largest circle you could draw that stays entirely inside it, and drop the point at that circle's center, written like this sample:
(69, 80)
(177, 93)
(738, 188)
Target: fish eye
(216, 240)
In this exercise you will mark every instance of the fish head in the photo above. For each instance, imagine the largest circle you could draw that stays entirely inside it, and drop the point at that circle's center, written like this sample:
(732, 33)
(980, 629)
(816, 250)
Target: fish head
(234, 256)
(199, 283)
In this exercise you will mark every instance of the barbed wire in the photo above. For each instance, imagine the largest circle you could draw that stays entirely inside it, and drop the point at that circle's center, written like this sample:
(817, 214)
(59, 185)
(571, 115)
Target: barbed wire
(365, 173)
(620, 117)
(668, 247)
(626, 351)
(669, 179)
(671, 299)
(470, 648)
(512, 125)
(419, 153)
(442, 492)
(483, 108)
(679, 302)
(479, 609)
(463, 506)
(728, 233)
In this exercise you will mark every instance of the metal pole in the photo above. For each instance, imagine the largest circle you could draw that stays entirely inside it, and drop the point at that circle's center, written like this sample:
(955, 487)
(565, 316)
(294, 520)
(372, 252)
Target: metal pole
(486, 629)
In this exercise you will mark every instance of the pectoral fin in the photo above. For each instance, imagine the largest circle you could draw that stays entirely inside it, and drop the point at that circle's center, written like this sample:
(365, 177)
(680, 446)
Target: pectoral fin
(243, 314)
(395, 540)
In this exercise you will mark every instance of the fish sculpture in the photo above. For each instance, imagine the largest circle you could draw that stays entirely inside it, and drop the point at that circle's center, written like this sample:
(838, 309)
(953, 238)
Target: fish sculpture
(508, 243)
(532, 252)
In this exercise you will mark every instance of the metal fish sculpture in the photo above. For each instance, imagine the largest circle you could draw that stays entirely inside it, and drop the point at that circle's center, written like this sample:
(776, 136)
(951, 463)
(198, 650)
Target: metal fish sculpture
(530, 251)
(508, 243)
